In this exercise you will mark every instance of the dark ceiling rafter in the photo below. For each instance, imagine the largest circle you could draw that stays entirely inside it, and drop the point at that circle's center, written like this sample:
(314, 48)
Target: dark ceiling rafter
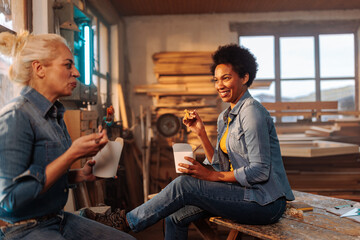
(170, 7)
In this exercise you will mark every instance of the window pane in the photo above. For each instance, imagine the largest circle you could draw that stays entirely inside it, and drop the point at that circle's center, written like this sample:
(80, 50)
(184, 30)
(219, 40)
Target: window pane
(6, 17)
(297, 57)
(264, 95)
(342, 91)
(298, 91)
(337, 55)
(95, 43)
(263, 49)
(6, 86)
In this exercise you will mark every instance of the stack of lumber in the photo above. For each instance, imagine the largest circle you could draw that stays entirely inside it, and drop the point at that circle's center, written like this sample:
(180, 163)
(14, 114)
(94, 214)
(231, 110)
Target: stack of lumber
(322, 157)
(335, 175)
(182, 63)
(183, 82)
(330, 167)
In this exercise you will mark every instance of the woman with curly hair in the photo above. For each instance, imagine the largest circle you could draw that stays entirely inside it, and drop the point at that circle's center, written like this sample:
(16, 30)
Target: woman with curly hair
(247, 183)
(36, 151)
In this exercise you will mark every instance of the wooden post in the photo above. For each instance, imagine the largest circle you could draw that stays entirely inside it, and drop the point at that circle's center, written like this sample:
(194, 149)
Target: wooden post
(143, 141)
(148, 154)
(122, 107)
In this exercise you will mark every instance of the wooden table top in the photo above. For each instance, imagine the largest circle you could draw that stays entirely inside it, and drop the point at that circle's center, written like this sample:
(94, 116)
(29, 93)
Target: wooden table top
(317, 224)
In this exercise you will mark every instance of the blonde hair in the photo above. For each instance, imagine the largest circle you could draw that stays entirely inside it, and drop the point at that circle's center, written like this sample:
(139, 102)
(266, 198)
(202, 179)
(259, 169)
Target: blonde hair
(25, 48)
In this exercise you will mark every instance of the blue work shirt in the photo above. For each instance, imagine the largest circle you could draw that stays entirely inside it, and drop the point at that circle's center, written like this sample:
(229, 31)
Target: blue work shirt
(254, 151)
(32, 135)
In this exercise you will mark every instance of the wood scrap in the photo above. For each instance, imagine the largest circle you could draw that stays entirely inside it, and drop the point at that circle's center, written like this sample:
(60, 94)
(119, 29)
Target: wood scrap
(317, 148)
(298, 205)
(286, 106)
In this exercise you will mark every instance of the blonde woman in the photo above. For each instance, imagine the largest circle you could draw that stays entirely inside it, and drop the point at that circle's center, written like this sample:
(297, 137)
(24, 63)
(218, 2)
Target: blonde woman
(36, 151)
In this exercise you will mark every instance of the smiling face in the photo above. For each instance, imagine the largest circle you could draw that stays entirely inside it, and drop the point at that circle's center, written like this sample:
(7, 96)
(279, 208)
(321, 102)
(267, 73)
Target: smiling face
(229, 85)
(58, 77)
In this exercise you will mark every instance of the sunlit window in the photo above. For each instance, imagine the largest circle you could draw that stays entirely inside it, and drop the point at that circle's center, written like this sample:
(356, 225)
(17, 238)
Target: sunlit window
(263, 49)
(309, 68)
(297, 57)
(337, 55)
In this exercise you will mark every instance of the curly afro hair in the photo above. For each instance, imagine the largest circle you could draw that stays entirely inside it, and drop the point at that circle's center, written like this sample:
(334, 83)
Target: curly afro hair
(240, 58)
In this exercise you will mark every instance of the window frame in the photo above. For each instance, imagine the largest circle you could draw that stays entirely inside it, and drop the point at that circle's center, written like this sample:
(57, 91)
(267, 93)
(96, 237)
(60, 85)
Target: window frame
(97, 60)
(303, 28)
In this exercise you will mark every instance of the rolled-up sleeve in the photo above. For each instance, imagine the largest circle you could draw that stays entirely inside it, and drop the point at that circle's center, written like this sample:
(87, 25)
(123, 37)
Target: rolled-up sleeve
(21, 180)
(257, 142)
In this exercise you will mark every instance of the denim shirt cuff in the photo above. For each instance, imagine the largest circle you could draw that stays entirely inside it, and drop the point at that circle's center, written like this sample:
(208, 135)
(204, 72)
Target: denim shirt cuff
(241, 177)
(35, 171)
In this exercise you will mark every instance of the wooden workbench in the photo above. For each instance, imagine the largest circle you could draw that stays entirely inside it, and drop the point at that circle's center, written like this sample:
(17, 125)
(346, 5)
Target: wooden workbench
(317, 224)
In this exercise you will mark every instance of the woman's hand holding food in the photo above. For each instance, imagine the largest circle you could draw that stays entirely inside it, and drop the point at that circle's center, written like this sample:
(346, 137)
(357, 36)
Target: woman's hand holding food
(193, 121)
(89, 145)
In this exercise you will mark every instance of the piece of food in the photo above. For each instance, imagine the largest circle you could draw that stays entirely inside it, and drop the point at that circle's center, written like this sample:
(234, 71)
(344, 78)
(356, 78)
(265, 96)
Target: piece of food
(189, 115)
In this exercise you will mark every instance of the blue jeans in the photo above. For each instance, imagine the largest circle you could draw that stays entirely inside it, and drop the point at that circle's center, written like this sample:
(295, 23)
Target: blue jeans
(64, 226)
(187, 199)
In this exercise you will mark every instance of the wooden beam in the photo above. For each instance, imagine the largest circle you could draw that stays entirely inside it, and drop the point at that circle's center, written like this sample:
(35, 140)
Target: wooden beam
(283, 106)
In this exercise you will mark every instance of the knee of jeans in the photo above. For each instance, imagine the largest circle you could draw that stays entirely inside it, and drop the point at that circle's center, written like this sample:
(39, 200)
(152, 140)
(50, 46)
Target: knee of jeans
(183, 180)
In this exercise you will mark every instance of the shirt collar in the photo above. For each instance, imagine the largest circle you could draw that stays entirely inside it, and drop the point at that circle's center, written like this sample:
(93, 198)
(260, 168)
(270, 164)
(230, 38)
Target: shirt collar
(43, 104)
(237, 107)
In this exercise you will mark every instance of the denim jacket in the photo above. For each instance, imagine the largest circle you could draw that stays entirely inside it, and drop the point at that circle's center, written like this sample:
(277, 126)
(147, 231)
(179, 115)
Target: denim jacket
(32, 134)
(254, 150)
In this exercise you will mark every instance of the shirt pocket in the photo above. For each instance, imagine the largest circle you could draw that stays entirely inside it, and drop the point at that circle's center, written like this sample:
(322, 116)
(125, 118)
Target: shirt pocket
(237, 142)
(53, 150)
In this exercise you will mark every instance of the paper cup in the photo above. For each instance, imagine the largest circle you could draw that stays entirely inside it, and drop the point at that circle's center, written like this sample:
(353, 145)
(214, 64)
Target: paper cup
(107, 159)
(182, 150)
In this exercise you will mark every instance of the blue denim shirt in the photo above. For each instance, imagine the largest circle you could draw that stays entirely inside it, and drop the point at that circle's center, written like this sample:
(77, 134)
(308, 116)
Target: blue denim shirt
(254, 150)
(32, 134)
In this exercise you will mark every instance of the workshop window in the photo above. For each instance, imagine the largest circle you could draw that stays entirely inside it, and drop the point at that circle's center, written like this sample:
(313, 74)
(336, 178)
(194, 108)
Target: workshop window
(316, 63)
(6, 24)
(102, 65)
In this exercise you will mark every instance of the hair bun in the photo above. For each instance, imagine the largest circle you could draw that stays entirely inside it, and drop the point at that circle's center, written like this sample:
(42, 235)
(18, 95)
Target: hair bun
(11, 44)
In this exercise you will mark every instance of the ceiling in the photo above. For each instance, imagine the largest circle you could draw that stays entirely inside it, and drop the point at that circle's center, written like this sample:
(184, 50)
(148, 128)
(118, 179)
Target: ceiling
(127, 8)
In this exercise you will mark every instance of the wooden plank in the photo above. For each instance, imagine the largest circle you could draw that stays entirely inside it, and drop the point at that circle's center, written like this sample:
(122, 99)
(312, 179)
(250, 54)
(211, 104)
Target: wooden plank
(281, 106)
(185, 60)
(317, 224)
(176, 55)
(307, 114)
(181, 69)
(324, 180)
(317, 148)
(354, 113)
(167, 88)
(284, 229)
(330, 222)
(192, 102)
(184, 79)
(122, 106)
(318, 201)
(297, 137)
